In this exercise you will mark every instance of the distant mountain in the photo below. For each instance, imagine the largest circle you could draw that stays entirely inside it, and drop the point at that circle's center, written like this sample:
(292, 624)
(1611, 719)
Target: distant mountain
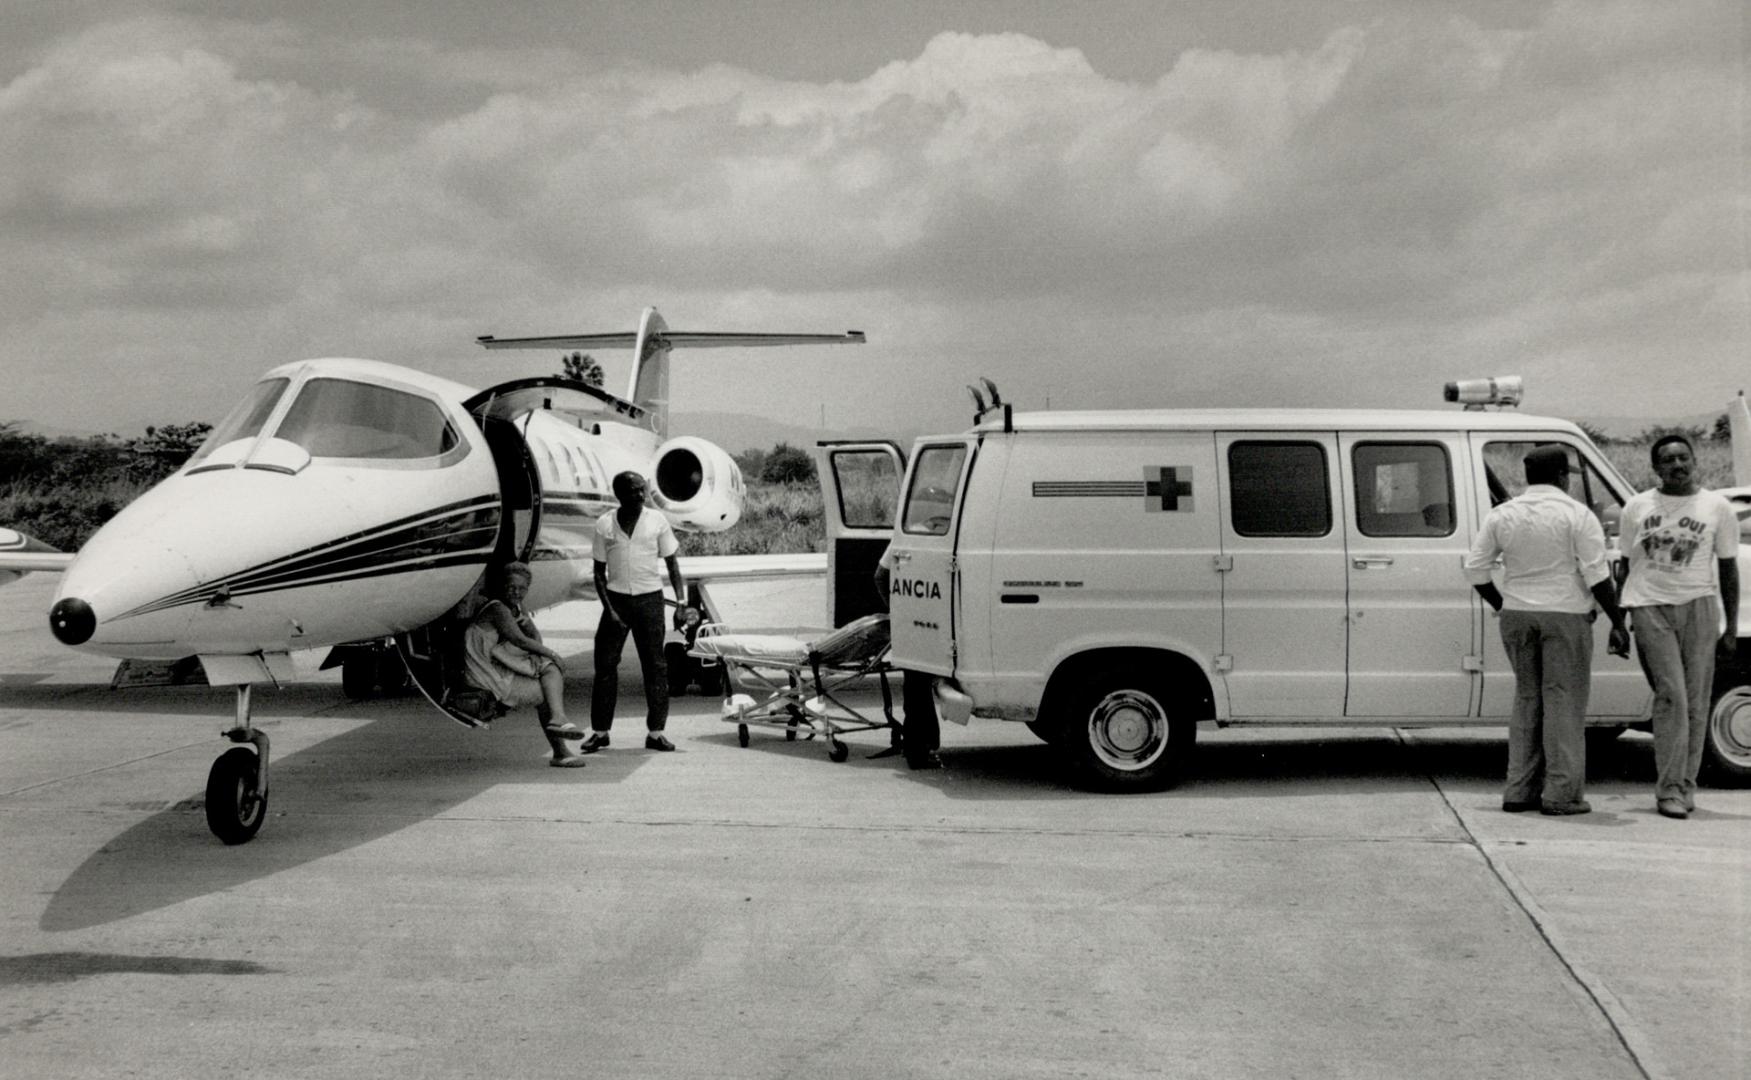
(31, 427)
(737, 432)
(1628, 427)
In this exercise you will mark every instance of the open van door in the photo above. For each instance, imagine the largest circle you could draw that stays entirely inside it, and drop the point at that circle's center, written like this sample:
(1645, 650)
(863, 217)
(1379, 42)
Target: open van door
(924, 594)
(860, 495)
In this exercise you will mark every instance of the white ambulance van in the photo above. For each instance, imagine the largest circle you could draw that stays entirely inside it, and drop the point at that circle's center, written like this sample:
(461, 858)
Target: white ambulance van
(1111, 579)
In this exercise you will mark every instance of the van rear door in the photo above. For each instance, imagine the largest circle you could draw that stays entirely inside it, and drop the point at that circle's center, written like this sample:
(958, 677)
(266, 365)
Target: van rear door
(860, 491)
(924, 584)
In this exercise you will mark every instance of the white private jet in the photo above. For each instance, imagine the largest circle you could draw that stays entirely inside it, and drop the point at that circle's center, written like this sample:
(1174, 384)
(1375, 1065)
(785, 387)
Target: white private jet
(359, 505)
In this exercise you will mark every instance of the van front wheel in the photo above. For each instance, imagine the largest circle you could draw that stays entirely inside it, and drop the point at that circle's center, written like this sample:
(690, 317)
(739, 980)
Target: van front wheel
(1122, 734)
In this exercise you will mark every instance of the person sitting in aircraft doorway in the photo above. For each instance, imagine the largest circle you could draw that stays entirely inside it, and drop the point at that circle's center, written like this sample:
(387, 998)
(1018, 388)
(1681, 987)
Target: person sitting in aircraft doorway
(503, 654)
(630, 548)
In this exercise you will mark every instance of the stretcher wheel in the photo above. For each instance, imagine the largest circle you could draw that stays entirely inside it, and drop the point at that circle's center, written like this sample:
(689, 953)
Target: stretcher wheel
(838, 751)
(742, 734)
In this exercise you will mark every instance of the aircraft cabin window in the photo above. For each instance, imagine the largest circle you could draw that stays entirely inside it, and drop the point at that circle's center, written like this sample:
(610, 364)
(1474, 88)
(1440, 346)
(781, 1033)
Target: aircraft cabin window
(338, 418)
(244, 421)
(1403, 489)
(1279, 489)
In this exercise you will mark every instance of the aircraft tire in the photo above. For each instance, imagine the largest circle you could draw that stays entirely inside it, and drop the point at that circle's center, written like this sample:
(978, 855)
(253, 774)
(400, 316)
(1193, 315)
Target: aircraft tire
(235, 811)
(358, 676)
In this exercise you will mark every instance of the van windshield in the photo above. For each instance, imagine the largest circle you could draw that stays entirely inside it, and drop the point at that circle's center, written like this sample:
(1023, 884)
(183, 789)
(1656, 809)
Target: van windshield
(931, 500)
(338, 418)
(245, 419)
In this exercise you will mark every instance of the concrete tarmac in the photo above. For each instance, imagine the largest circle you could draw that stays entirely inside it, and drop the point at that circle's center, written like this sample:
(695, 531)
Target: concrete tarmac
(431, 901)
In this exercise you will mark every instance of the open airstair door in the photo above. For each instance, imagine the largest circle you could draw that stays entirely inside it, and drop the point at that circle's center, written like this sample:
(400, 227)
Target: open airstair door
(433, 653)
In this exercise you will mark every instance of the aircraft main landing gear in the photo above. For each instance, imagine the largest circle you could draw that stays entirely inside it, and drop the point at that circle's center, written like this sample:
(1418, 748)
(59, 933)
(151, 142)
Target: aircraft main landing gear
(237, 785)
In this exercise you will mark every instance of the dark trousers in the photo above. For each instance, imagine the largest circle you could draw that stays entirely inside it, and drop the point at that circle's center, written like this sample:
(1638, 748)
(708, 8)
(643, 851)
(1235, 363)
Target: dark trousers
(920, 730)
(642, 616)
(1552, 656)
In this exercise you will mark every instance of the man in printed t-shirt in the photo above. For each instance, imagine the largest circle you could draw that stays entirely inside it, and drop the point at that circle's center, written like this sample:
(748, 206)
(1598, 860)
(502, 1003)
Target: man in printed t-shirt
(1682, 544)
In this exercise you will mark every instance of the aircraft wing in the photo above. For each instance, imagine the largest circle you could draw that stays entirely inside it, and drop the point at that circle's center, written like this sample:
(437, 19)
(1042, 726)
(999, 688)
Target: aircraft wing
(49, 562)
(708, 568)
(673, 339)
(21, 554)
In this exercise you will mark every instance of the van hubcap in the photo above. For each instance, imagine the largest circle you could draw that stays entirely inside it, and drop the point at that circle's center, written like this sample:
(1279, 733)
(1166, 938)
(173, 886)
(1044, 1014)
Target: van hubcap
(1731, 724)
(1127, 730)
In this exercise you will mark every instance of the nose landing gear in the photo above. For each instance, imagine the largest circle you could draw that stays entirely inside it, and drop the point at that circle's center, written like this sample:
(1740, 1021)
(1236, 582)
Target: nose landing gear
(237, 785)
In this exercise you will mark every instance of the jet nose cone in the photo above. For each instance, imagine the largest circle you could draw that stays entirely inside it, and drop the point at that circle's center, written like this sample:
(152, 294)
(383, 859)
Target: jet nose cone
(72, 621)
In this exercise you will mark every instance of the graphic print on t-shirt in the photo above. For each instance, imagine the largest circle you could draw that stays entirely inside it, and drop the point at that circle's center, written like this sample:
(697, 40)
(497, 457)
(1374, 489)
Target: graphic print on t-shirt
(1671, 546)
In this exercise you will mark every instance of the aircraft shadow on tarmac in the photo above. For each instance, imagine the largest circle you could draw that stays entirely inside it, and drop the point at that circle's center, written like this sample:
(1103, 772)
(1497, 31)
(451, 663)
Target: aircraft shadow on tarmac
(404, 765)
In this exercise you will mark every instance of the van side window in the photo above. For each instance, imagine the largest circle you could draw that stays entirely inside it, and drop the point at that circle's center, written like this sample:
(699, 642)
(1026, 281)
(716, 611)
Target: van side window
(1403, 489)
(935, 476)
(868, 488)
(1279, 489)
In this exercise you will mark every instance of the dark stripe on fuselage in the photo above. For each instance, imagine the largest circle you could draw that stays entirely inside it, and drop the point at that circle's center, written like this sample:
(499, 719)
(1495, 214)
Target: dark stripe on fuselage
(463, 529)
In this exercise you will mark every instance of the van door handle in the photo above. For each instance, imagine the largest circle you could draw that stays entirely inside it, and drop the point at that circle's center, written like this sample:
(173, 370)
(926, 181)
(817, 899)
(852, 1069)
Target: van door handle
(902, 556)
(1365, 562)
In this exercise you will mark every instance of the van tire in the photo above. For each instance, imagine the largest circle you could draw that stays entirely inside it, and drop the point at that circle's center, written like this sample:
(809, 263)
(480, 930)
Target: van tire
(1046, 731)
(1123, 731)
(1727, 740)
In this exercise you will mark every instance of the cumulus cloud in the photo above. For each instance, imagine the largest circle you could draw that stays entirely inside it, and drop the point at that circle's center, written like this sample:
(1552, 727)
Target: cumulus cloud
(1406, 200)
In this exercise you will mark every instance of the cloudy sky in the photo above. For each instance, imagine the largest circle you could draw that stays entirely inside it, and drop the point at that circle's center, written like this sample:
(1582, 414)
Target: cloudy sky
(1160, 202)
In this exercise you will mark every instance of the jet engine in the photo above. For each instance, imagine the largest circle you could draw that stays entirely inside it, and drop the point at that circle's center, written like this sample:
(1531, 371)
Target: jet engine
(697, 485)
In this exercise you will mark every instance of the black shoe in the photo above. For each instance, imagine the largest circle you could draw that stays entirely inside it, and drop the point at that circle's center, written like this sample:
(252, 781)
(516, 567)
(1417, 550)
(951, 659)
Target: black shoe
(1510, 806)
(927, 760)
(656, 740)
(1567, 809)
(593, 742)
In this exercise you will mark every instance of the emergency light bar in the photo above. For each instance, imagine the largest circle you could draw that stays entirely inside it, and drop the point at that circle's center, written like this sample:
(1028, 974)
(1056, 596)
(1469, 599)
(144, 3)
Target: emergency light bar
(1476, 393)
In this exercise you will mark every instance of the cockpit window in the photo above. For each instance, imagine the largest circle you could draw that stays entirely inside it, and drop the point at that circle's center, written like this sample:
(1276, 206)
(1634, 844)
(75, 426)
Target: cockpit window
(338, 418)
(245, 420)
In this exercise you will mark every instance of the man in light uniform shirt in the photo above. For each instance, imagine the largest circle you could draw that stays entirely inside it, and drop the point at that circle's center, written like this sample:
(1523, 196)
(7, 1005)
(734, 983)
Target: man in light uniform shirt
(630, 547)
(1553, 572)
(1682, 543)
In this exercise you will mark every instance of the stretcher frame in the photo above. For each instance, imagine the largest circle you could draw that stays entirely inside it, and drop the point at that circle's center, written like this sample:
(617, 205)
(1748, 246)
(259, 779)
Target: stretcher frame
(802, 696)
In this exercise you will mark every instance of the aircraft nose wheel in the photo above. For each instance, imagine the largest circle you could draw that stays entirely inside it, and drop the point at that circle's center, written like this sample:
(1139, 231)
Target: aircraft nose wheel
(237, 785)
(236, 804)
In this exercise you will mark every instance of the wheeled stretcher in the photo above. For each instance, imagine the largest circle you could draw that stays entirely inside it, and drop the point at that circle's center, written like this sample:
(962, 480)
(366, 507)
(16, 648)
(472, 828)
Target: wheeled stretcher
(802, 684)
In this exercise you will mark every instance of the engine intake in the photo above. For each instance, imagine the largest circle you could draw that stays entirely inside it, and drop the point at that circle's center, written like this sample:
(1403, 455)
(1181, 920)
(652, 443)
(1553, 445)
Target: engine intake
(697, 485)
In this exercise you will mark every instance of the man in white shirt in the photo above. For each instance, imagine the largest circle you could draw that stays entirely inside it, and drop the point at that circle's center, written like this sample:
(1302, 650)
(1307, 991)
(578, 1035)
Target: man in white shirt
(1552, 551)
(1682, 543)
(630, 548)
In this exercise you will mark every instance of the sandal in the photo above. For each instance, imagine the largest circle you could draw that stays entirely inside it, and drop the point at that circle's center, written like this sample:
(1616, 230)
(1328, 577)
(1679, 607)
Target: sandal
(562, 731)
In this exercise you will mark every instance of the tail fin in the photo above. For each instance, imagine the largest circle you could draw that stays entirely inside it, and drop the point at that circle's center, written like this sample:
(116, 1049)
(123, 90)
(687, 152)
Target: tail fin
(1739, 425)
(649, 387)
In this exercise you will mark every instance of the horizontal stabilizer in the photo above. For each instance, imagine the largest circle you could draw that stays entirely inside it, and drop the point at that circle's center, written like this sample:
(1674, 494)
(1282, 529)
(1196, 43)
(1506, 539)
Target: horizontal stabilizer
(671, 339)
